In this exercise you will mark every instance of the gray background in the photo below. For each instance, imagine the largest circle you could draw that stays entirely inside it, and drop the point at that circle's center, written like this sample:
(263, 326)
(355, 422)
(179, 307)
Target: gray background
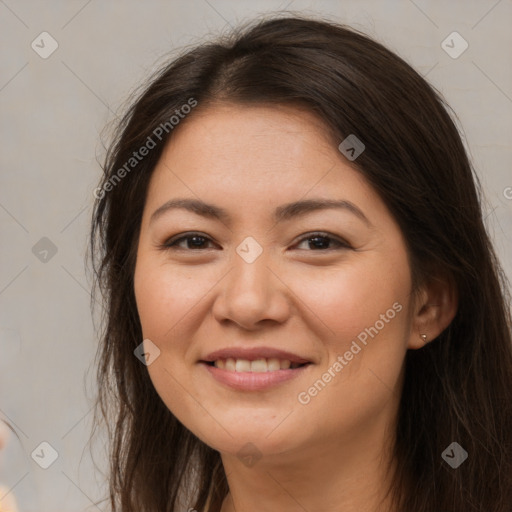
(53, 111)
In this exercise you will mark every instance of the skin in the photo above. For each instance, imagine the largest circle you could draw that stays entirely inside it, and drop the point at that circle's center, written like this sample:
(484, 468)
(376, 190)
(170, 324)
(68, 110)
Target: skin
(7, 498)
(333, 452)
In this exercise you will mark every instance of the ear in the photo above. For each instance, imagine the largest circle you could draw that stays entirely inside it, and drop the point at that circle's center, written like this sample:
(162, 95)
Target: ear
(434, 310)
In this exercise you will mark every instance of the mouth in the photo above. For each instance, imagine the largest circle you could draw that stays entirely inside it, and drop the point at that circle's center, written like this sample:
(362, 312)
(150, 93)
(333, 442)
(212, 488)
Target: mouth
(254, 369)
(254, 359)
(260, 365)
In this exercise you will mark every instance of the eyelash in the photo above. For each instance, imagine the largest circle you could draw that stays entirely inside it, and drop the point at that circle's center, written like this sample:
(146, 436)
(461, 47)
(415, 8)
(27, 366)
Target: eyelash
(171, 244)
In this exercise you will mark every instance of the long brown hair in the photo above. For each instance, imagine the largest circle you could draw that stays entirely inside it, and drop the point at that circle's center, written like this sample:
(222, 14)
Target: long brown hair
(457, 388)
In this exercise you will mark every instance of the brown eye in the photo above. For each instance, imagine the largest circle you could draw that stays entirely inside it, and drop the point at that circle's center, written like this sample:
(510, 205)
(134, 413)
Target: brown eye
(323, 241)
(193, 241)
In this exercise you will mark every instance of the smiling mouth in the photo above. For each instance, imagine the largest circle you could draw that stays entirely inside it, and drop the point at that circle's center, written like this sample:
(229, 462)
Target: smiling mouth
(261, 365)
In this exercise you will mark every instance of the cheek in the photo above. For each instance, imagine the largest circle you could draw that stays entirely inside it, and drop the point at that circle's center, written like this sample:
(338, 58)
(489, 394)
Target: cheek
(165, 296)
(355, 298)
(365, 349)
(164, 299)
(365, 307)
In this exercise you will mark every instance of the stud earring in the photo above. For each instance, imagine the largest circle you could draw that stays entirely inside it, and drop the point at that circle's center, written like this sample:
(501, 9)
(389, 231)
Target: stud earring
(424, 338)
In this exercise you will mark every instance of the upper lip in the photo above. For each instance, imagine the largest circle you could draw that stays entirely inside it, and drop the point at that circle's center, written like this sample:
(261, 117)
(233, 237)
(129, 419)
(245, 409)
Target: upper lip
(254, 353)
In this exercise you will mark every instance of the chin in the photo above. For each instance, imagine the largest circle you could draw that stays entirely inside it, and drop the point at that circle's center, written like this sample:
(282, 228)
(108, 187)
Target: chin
(262, 439)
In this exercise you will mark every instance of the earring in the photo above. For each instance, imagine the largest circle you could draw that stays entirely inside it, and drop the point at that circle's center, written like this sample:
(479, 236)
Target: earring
(424, 338)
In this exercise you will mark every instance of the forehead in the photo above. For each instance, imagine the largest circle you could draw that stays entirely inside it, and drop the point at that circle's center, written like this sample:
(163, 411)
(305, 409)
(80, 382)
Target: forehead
(274, 143)
(255, 158)
(262, 131)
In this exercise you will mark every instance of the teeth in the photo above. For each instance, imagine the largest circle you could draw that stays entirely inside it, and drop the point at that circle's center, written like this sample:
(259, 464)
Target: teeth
(257, 366)
(242, 365)
(273, 364)
(285, 364)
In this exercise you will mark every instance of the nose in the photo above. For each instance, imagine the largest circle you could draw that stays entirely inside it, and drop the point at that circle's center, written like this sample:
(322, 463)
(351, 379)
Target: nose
(252, 295)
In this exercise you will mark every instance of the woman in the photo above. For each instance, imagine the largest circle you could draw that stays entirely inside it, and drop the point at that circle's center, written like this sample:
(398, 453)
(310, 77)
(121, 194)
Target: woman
(304, 311)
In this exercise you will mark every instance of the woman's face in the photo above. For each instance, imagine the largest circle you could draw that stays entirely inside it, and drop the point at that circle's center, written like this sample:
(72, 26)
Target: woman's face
(258, 283)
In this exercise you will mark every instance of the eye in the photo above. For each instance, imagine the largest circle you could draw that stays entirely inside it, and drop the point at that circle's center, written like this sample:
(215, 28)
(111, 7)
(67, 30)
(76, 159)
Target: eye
(322, 241)
(193, 241)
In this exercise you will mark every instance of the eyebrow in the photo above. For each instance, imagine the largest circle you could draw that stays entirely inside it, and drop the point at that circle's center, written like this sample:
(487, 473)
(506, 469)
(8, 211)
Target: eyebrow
(282, 213)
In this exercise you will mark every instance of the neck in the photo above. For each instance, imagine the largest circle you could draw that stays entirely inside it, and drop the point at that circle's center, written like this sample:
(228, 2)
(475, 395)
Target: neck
(350, 477)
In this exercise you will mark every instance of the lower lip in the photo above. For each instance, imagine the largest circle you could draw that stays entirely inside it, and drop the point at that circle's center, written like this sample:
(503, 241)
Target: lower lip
(253, 381)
